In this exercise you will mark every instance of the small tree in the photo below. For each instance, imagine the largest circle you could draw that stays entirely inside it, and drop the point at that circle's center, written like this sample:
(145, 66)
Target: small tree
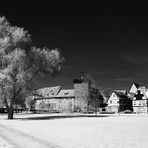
(29, 102)
(106, 94)
(21, 64)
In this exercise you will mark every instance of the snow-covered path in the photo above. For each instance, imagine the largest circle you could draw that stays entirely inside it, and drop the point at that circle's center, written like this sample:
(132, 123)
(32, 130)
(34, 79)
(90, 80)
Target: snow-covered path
(12, 138)
(4, 143)
(124, 131)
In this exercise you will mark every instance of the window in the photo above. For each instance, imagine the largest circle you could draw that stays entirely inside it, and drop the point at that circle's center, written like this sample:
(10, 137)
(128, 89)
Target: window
(66, 93)
(103, 109)
(110, 101)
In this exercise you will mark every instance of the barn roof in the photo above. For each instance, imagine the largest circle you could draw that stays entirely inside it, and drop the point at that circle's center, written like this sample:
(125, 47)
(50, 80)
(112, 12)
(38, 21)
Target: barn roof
(66, 93)
(48, 92)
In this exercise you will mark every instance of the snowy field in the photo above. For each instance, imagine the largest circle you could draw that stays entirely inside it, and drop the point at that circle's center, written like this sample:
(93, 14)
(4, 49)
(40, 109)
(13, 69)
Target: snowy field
(113, 131)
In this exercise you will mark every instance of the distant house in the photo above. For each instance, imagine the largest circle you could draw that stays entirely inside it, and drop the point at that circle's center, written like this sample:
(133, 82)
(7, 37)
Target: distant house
(133, 90)
(82, 98)
(139, 95)
(119, 101)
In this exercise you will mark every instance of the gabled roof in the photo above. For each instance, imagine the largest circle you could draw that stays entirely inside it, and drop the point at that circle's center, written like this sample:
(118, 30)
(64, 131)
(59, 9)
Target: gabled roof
(134, 88)
(48, 92)
(137, 85)
(121, 91)
(121, 95)
(144, 91)
(65, 93)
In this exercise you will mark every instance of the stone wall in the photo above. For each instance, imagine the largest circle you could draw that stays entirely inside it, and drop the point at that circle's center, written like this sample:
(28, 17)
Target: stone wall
(65, 105)
(55, 105)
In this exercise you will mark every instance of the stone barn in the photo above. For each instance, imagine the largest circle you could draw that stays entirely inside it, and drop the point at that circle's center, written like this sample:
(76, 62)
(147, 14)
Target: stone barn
(83, 98)
(53, 99)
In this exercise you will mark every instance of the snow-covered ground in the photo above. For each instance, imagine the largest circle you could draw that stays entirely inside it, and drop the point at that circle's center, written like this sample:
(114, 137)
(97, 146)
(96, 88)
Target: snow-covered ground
(5, 144)
(114, 131)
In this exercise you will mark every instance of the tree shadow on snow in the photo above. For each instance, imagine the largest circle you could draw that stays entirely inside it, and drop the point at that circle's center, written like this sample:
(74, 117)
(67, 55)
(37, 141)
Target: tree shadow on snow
(52, 117)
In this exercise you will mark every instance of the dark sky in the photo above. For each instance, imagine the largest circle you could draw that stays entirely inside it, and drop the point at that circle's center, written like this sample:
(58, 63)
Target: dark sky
(108, 41)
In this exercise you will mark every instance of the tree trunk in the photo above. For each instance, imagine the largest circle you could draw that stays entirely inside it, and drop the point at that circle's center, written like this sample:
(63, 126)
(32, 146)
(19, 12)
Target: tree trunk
(95, 110)
(10, 112)
(96, 107)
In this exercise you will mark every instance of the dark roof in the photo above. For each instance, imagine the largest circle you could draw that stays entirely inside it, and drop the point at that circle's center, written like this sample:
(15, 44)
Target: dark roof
(137, 85)
(122, 91)
(77, 81)
(121, 95)
(81, 81)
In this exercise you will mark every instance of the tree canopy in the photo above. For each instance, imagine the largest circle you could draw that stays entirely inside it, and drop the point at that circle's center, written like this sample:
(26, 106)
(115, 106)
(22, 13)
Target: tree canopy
(21, 63)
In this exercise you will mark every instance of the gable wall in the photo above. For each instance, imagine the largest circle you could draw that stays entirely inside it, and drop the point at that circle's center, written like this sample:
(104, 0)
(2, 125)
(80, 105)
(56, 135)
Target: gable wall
(113, 100)
(133, 89)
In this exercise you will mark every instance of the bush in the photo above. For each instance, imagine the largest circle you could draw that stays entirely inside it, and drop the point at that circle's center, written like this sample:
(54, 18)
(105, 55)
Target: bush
(128, 111)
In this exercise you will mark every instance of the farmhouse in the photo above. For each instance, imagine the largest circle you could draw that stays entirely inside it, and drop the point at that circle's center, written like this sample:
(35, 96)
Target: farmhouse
(139, 95)
(82, 98)
(119, 101)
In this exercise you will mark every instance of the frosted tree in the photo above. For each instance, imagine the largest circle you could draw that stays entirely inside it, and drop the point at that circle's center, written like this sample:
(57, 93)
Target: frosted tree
(29, 102)
(21, 64)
